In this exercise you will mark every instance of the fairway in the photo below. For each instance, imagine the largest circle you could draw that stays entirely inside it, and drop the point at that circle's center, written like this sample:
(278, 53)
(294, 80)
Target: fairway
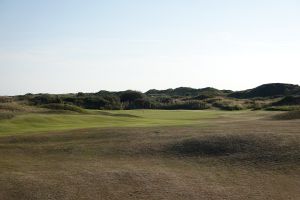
(38, 122)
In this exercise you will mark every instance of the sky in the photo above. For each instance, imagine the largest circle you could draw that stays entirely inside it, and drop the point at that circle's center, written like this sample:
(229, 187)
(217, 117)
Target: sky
(67, 46)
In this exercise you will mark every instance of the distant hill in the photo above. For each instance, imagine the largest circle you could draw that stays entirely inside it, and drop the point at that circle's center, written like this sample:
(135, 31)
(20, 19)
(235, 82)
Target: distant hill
(268, 90)
(186, 91)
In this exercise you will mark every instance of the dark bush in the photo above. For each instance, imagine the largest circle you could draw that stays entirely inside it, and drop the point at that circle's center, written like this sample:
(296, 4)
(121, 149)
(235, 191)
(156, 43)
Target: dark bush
(45, 99)
(130, 96)
(139, 104)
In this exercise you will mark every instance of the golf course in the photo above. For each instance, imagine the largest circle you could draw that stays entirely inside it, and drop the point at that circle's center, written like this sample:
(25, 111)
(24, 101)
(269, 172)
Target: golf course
(149, 100)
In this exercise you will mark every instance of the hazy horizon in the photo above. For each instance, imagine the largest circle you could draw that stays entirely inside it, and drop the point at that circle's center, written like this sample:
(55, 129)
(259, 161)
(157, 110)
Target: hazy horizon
(87, 46)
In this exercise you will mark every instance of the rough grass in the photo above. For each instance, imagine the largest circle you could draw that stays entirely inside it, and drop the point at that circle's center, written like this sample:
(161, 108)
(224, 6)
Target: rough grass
(287, 115)
(19, 107)
(6, 115)
(258, 149)
(12, 107)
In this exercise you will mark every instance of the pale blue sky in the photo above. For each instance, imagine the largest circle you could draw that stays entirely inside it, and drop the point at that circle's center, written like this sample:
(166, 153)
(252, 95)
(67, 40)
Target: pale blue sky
(61, 46)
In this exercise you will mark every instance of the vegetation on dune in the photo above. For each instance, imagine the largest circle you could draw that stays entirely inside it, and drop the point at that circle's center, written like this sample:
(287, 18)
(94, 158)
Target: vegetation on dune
(5, 99)
(260, 97)
(186, 91)
(228, 105)
(64, 107)
(11, 107)
(186, 105)
(282, 108)
(288, 101)
(267, 90)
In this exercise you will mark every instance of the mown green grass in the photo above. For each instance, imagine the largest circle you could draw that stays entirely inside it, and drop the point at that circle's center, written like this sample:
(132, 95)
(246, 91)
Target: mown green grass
(43, 122)
(39, 122)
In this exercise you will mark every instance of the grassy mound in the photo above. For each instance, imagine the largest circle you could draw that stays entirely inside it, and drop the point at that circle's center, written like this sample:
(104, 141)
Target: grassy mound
(64, 107)
(288, 115)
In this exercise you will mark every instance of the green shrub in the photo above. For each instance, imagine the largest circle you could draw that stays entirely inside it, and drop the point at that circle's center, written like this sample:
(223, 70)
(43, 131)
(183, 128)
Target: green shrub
(130, 96)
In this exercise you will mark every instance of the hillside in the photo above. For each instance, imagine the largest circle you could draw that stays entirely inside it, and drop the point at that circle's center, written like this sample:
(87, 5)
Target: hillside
(268, 90)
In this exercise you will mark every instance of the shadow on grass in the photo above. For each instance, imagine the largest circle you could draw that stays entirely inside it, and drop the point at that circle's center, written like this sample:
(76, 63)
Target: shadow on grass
(291, 115)
(256, 149)
(117, 114)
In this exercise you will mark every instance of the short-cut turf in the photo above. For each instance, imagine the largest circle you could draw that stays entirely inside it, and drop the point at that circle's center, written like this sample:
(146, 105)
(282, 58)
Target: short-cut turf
(43, 122)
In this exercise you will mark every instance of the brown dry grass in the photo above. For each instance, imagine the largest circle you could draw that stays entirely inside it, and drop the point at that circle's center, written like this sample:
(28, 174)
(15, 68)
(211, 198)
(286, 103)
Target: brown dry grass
(228, 159)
